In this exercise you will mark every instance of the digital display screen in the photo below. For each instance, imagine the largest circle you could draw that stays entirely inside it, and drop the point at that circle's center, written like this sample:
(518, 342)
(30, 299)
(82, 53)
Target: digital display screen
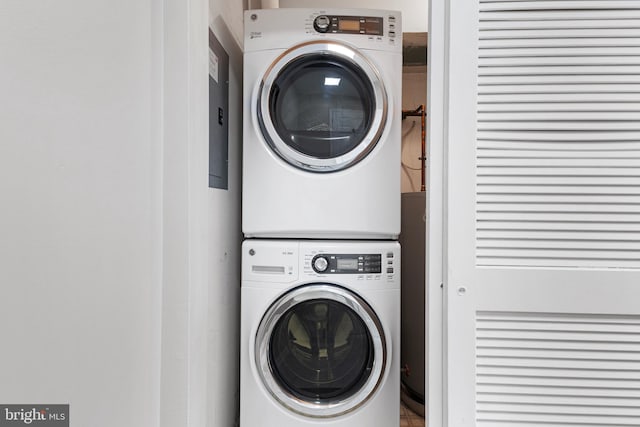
(373, 27)
(347, 264)
(349, 24)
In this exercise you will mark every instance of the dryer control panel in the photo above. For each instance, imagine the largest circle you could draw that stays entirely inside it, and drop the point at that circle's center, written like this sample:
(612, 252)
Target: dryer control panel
(370, 25)
(282, 28)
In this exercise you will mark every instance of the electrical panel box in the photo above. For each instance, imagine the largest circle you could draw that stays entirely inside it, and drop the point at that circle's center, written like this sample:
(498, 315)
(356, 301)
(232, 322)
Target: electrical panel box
(218, 114)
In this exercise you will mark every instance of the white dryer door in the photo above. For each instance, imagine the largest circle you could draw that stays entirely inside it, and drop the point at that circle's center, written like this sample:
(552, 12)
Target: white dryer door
(320, 350)
(322, 106)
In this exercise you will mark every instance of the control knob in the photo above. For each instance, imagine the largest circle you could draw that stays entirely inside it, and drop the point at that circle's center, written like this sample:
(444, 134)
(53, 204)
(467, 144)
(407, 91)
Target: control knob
(322, 23)
(320, 264)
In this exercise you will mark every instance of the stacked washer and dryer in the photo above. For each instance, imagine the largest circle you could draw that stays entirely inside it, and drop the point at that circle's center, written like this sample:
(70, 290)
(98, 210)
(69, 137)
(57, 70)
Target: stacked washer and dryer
(320, 316)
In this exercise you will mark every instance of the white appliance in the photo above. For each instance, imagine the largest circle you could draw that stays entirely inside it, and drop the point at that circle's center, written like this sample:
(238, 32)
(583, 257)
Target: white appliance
(320, 334)
(322, 118)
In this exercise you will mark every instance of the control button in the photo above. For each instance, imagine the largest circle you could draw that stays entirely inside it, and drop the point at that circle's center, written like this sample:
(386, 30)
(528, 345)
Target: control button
(389, 254)
(322, 23)
(392, 19)
(320, 264)
(392, 33)
(390, 270)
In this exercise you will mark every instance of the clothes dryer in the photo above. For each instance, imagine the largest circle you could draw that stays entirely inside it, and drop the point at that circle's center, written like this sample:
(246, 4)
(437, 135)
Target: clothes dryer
(322, 119)
(320, 331)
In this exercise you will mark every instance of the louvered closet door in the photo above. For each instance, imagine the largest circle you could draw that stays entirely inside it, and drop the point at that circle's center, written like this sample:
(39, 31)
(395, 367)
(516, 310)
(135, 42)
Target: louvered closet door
(543, 202)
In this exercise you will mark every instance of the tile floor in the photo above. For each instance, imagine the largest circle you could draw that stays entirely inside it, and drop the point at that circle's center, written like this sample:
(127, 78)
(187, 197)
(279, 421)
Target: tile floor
(408, 418)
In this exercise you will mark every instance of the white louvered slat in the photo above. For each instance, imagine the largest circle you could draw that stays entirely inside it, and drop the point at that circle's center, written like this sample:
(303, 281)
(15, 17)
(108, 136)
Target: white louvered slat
(550, 89)
(559, 369)
(564, 409)
(564, 245)
(560, 162)
(590, 98)
(539, 72)
(613, 126)
(556, 61)
(566, 50)
(555, 137)
(551, 26)
(558, 400)
(505, 11)
(529, 5)
(562, 208)
(542, 318)
(555, 116)
(553, 42)
(535, 323)
(558, 134)
(556, 177)
(564, 190)
(489, 153)
(551, 79)
(603, 33)
(607, 228)
(507, 237)
(553, 199)
(534, 356)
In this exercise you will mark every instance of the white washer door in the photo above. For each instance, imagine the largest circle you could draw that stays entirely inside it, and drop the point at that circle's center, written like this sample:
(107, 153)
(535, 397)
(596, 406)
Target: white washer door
(322, 106)
(320, 350)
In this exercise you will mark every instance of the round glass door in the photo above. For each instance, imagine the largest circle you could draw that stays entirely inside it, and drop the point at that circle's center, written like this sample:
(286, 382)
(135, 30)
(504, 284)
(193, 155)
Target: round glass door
(320, 351)
(322, 106)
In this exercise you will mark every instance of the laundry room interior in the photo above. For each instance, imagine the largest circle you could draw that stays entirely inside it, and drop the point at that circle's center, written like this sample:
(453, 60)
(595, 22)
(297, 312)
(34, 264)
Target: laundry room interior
(122, 228)
(276, 203)
(156, 274)
(409, 398)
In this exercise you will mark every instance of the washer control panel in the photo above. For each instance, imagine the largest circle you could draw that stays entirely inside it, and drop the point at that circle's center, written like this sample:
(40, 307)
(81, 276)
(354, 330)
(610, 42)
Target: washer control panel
(370, 25)
(347, 263)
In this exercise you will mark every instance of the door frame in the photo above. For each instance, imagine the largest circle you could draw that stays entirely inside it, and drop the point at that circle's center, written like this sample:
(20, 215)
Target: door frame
(437, 126)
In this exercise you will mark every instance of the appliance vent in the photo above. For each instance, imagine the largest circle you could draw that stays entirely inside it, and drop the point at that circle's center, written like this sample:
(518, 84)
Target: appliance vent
(558, 134)
(543, 369)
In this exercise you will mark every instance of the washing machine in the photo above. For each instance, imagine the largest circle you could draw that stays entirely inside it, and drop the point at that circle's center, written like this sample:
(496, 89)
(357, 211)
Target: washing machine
(322, 119)
(320, 334)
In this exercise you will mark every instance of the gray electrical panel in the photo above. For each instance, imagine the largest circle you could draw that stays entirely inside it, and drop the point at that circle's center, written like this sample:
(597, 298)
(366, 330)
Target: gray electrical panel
(218, 114)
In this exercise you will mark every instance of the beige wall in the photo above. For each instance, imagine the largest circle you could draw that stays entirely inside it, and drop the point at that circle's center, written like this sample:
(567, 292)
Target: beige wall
(414, 93)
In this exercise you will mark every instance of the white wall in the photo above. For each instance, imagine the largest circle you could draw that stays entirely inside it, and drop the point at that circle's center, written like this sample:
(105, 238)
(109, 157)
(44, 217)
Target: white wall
(225, 19)
(415, 13)
(80, 259)
(119, 271)
(202, 230)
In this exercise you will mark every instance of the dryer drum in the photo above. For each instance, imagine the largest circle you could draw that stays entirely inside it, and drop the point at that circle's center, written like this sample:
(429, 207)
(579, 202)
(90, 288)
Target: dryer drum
(320, 350)
(321, 106)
